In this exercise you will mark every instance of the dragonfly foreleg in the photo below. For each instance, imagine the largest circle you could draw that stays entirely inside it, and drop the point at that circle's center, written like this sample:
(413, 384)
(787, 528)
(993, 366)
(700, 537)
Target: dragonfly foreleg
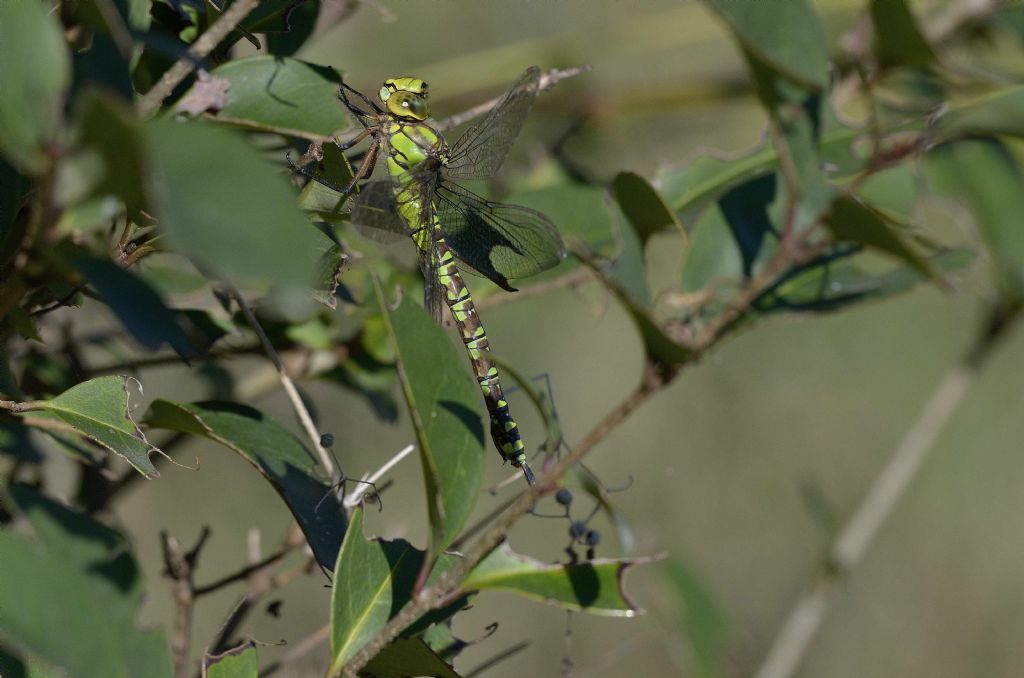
(354, 140)
(360, 114)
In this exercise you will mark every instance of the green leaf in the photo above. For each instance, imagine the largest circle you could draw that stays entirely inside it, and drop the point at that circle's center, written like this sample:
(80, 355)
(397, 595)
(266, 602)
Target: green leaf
(77, 572)
(659, 346)
(713, 255)
(139, 308)
(238, 662)
(703, 621)
(837, 280)
(407, 657)
(99, 410)
(36, 69)
(786, 36)
(444, 407)
(593, 586)
(78, 540)
(373, 579)
(579, 212)
(898, 40)
(110, 129)
(998, 112)
(853, 221)
(229, 210)
(629, 268)
(284, 96)
(987, 176)
(277, 454)
(643, 206)
(745, 209)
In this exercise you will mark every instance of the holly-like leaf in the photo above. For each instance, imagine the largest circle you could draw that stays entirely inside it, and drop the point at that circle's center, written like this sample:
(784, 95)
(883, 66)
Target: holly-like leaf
(275, 452)
(444, 407)
(284, 96)
(238, 662)
(373, 579)
(409, 657)
(853, 221)
(99, 409)
(593, 586)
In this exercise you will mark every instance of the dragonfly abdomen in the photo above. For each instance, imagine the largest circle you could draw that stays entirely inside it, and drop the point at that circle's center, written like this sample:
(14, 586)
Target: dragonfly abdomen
(504, 430)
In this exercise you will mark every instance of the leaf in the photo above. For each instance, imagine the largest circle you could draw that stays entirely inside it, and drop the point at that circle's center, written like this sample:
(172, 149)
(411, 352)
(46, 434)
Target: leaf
(373, 579)
(226, 208)
(444, 407)
(837, 280)
(593, 586)
(898, 40)
(55, 590)
(406, 658)
(988, 177)
(277, 454)
(238, 662)
(284, 96)
(998, 112)
(579, 212)
(854, 221)
(643, 206)
(78, 540)
(659, 346)
(629, 268)
(99, 410)
(745, 209)
(786, 36)
(704, 623)
(37, 69)
(713, 255)
(139, 308)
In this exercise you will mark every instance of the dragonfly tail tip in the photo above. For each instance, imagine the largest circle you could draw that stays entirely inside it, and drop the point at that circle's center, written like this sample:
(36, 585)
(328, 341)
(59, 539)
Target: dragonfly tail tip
(531, 480)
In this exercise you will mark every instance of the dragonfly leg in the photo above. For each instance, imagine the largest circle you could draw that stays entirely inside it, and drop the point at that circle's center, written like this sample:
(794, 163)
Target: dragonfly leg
(360, 115)
(354, 140)
(366, 168)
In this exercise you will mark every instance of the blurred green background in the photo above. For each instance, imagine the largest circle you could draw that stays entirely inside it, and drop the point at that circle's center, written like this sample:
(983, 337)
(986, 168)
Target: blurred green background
(725, 459)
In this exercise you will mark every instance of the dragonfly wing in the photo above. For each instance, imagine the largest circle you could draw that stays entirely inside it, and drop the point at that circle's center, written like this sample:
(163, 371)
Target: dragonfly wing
(375, 213)
(479, 152)
(502, 242)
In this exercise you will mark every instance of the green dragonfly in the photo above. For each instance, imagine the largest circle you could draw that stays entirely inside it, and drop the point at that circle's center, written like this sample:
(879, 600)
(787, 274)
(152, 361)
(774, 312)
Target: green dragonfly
(449, 223)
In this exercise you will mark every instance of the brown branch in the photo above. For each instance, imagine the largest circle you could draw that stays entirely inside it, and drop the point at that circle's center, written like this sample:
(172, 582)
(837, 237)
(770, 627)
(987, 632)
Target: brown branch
(180, 568)
(199, 50)
(15, 406)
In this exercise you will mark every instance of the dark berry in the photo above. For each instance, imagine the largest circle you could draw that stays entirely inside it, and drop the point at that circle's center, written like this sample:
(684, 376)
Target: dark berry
(563, 497)
(327, 440)
(577, 530)
(593, 538)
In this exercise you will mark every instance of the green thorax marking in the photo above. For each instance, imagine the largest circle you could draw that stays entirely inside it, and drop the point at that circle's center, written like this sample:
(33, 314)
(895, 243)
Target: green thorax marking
(408, 146)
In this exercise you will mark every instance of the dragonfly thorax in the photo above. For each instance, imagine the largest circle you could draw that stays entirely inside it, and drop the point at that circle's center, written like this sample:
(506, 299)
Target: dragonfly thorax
(406, 98)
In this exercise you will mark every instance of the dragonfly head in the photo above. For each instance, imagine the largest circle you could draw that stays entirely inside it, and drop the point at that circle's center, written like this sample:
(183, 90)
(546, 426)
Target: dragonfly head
(406, 98)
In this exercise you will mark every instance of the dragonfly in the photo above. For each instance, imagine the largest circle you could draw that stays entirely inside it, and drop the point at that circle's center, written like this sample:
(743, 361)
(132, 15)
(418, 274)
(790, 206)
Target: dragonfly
(450, 225)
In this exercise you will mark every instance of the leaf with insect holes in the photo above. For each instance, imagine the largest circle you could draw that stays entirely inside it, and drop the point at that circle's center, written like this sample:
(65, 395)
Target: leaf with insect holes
(275, 452)
(99, 410)
(269, 93)
(238, 662)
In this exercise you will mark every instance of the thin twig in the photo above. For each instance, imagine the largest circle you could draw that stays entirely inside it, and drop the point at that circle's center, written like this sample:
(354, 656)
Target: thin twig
(547, 81)
(199, 50)
(289, 386)
(890, 485)
(353, 499)
(15, 406)
(180, 567)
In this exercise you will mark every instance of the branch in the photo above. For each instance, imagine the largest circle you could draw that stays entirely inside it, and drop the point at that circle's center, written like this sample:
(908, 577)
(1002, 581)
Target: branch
(199, 50)
(848, 549)
(15, 406)
(180, 567)
(547, 81)
(289, 386)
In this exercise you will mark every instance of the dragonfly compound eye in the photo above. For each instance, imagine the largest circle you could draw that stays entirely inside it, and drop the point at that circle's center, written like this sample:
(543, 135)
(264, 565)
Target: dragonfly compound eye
(408, 105)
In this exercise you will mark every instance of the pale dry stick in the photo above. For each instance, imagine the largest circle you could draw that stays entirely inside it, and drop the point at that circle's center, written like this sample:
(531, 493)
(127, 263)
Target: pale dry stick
(547, 80)
(353, 499)
(199, 50)
(289, 386)
(795, 636)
